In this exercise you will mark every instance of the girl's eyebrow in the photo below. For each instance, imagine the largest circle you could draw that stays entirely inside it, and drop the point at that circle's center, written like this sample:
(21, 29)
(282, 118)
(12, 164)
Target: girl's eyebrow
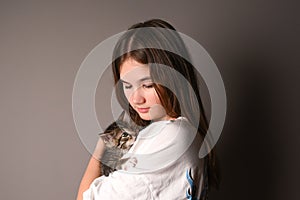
(145, 79)
(140, 80)
(124, 81)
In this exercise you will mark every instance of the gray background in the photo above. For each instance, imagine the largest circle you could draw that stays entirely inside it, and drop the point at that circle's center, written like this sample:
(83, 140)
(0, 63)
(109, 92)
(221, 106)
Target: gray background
(254, 44)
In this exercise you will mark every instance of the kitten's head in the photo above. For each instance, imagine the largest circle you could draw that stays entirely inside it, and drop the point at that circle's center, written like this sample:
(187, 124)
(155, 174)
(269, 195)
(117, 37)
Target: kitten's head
(120, 135)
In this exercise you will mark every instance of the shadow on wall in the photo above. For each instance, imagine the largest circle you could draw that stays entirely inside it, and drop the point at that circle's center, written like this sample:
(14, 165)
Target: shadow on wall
(250, 149)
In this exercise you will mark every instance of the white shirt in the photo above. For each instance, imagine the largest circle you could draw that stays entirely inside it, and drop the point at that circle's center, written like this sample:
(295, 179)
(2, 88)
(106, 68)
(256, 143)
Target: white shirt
(162, 164)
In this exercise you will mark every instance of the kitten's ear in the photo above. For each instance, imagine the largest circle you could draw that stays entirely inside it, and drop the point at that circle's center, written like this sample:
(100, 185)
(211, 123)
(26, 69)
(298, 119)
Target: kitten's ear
(123, 119)
(127, 119)
(106, 137)
(122, 116)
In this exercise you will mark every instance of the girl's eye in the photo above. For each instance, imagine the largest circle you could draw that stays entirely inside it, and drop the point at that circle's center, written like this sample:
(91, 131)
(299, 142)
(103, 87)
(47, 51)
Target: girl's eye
(148, 86)
(127, 86)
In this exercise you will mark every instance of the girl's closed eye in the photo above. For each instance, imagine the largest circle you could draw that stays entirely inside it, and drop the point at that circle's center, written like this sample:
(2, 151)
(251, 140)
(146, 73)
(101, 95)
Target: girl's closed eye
(148, 86)
(127, 86)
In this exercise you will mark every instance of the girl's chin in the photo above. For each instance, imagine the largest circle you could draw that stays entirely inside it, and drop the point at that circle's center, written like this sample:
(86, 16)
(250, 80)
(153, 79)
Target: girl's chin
(148, 117)
(155, 113)
(145, 116)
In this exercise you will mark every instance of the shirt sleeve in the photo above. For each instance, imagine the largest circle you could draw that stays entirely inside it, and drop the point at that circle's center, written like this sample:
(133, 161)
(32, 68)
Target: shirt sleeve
(118, 185)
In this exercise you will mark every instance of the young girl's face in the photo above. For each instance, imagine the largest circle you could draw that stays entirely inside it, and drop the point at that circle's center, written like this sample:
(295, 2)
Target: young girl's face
(139, 90)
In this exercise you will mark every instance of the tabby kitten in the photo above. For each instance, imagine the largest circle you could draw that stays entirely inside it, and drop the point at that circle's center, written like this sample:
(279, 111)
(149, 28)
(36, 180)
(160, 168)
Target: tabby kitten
(118, 138)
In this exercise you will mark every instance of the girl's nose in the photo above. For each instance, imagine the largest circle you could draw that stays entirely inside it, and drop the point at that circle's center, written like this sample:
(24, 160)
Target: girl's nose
(138, 97)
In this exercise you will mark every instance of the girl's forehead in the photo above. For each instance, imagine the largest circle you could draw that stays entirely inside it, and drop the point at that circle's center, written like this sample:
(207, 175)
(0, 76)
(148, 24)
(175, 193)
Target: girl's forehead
(132, 70)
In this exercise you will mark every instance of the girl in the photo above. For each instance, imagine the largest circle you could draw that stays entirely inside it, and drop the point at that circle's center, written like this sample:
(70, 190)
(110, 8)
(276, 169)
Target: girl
(158, 88)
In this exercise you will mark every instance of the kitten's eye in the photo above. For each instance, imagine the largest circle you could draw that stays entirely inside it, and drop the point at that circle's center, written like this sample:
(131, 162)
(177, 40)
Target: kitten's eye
(125, 134)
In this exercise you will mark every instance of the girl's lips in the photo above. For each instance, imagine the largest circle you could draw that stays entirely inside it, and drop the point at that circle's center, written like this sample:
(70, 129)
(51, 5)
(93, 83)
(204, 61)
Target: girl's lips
(143, 110)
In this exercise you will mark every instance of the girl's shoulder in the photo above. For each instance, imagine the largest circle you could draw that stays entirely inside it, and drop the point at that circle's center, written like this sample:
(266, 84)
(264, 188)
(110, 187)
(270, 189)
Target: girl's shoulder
(161, 144)
(178, 126)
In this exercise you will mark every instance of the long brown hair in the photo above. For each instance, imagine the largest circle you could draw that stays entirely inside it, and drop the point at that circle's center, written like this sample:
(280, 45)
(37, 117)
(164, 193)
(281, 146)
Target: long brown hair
(178, 99)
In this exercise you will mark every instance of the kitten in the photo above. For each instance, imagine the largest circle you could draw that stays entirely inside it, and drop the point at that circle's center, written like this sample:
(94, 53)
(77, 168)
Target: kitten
(118, 138)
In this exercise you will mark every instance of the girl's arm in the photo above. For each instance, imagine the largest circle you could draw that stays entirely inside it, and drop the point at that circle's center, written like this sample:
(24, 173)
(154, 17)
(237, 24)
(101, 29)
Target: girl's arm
(93, 169)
